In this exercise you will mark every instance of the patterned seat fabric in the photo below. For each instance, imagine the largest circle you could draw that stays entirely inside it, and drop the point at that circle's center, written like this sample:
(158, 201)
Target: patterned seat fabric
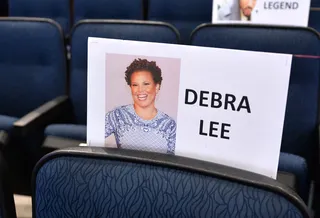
(71, 186)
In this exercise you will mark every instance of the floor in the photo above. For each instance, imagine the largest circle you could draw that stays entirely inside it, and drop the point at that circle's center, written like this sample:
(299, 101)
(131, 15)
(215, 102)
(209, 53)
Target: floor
(23, 206)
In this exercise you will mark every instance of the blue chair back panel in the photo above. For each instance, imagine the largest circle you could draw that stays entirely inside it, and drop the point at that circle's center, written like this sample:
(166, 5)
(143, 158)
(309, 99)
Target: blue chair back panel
(184, 15)
(299, 134)
(314, 19)
(108, 9)
(88, 187)
(32, 64)
(315, 3)
(139, 31)
(58, 10)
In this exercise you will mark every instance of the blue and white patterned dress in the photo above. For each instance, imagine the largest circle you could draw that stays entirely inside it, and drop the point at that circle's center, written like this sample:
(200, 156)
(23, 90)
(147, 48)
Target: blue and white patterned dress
(132, 132)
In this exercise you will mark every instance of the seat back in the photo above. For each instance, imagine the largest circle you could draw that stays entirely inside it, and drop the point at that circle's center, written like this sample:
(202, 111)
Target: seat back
(58, 10)
(116, 29)
(184, 15)
(315, 3)
(108, 9)
(32, 64)
(301, 118)
(101, 182)
(314, 19)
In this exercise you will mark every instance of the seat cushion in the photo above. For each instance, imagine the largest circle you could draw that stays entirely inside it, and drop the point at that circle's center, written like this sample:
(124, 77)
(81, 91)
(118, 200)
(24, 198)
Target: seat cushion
(70, 131)
(6, 122)
(297, 166)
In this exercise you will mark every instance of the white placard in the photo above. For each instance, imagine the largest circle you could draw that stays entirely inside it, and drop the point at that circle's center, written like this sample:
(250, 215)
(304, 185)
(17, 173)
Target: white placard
(284, 12)
(219, 105)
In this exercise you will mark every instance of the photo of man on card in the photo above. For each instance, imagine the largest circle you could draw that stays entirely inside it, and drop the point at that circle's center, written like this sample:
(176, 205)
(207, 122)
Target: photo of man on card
(237, 10)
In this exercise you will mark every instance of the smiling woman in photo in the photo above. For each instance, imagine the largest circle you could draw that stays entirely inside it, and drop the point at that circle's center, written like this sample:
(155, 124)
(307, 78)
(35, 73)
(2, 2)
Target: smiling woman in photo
(141, 126)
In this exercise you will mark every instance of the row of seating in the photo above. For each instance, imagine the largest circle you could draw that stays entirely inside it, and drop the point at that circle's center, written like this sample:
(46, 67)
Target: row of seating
(184, 15)
(35, 73)
(107, 182)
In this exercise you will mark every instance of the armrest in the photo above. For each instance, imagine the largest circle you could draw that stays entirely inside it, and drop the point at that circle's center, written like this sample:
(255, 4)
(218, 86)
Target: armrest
(42, 116)
(288, 179)
(55, 143)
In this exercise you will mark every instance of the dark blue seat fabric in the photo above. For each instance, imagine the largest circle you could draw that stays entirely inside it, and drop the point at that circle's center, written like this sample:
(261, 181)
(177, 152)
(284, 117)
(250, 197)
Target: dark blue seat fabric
(33, 66)
(70, 131)
(314, 18)
(33, 72)
(90, 183)
(58, 10)
(315, 3)
(129, 30)
(297, 166)
(108, 9)
(6, 122)
(184, 15)
(300, 126)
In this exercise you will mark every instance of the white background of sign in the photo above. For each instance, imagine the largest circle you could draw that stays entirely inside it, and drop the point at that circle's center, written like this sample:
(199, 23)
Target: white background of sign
(261, 15)
(255, 138)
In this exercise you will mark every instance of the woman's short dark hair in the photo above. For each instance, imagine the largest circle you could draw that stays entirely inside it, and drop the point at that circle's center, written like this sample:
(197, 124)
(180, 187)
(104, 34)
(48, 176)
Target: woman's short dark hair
(144, 65)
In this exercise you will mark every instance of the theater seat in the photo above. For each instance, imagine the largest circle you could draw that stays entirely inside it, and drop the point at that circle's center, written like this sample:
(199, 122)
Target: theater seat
(105, 182)
(107, 9)
(184, 15)
(300, 132)
(33, 72)
(58, 10)
(116, 29)
(33, 65)
(69, 131)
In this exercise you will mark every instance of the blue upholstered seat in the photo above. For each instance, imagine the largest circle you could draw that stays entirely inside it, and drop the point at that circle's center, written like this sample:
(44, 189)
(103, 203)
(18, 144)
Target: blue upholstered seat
(33, 72)
(69, 131)
(301, 119)
(184, 15)
(130, 30)
(58, 10)
(33, 66)
(108, 9)
(93, 182)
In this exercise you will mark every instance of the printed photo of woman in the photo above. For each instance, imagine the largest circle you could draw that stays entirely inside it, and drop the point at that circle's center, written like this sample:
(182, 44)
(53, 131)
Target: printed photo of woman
(141, 125)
